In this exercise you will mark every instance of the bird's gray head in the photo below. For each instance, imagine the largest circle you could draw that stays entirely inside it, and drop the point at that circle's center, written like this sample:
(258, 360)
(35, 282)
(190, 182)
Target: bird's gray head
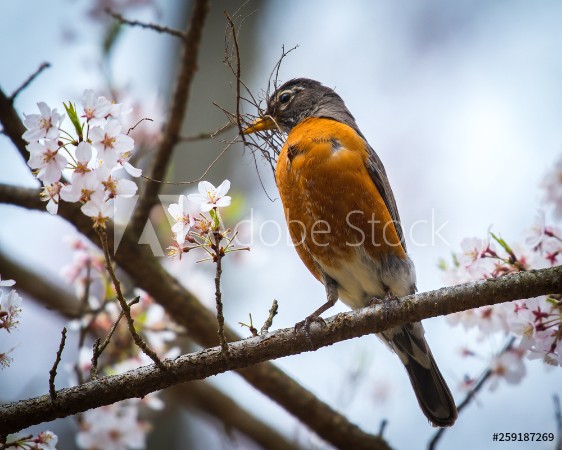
(299, 99)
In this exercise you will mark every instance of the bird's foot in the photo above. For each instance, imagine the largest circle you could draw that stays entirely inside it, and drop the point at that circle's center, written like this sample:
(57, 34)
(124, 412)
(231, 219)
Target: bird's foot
(304, 327)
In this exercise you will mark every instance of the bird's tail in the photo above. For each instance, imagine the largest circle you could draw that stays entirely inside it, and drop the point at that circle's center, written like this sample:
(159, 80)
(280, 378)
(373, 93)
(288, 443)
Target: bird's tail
(432, 392)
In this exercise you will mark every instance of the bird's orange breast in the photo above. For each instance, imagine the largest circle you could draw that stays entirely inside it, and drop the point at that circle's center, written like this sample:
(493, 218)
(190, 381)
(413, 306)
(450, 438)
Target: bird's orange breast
(331, 204)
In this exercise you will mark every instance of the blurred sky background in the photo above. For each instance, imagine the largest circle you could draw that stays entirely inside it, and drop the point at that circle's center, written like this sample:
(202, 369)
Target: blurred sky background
(463, 102)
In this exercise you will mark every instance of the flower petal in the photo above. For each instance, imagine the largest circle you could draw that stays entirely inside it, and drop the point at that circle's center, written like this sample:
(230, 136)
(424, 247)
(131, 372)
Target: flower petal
(223, 188)
(205, 187)
(84, 152)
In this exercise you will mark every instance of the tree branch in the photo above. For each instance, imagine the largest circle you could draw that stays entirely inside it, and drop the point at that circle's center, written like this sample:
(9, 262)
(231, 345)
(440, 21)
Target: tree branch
(27, 82)
(37, 287)
(281, 343)
(206, 398)
(176, 115)
(200, 396)
(53, 371)
(148, 26)
(12, 125)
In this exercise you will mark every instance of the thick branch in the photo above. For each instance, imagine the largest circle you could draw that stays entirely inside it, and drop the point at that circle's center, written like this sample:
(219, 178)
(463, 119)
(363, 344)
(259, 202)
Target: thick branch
(188, 66)
(206, 398)
(51, 295)
(200, 396)
(12, 125)
(199, 365)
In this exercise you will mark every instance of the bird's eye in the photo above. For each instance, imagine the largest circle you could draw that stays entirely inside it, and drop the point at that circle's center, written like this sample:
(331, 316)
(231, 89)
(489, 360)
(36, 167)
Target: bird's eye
(285, 97)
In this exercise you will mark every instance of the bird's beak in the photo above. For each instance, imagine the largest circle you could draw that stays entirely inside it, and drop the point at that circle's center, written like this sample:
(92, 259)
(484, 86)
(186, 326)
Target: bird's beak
(260, 124)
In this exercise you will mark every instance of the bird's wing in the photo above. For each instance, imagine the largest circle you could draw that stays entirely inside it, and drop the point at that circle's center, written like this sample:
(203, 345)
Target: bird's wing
(378, 175)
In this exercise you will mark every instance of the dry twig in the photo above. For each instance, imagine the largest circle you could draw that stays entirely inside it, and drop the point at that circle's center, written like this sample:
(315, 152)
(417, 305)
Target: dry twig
(148, 26)
(218, 255)
(53, 371)
(27, 82)
(126, 309)
(99, 347)
(269, 321)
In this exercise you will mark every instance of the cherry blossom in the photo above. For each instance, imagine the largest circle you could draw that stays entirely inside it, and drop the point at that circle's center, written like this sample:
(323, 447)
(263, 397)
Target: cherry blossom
(123, 160)
(210, 197)
(473, 256)
(96, 108)
(112, 427)
(6, 359)
(115, 186)
(98, 209)
(44, 125)
(10, 309)
(51, 194)
(92, 156)
(81, 190)
(46, 440)
(508, 366)
(110, 143)
(184, 221)
(46, 158)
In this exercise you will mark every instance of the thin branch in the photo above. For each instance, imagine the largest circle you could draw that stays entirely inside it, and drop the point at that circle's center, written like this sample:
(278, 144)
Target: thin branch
(84, 328)
(148, 26)
(138, 123)
(27, 82)
(237, 73)
(218, 255)
(281, 343)
(269, 321)
(208, 134)
(125, 308)
(188, 66)
(382, 427)
(99, 347)
(471, 395)
(203, 175)
(53, 371)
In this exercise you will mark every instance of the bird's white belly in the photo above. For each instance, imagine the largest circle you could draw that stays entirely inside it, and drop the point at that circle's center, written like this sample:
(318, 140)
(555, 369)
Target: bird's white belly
(361, 278)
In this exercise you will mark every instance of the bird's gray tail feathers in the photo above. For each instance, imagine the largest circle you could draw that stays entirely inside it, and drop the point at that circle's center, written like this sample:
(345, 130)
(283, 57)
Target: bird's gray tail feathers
(432, 392)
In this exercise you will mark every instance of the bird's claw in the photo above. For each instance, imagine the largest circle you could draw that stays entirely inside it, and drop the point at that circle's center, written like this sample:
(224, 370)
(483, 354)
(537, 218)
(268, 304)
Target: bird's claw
(304, 326)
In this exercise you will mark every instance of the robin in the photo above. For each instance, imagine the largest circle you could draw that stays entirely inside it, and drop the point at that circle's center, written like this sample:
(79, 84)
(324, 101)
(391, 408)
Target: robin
(343, 220)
